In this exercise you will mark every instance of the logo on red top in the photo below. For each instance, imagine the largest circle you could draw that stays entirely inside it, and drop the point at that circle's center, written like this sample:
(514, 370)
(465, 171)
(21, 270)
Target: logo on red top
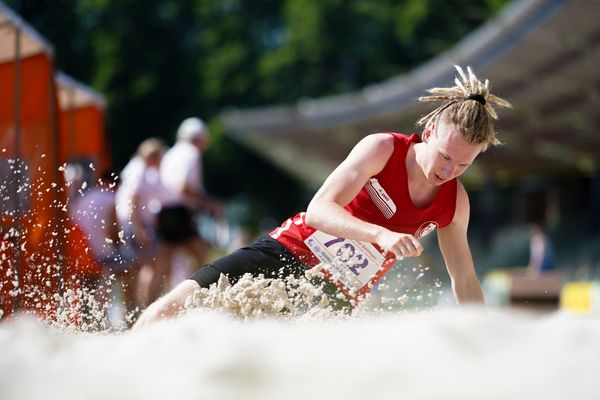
(381, 199)
(426, 228)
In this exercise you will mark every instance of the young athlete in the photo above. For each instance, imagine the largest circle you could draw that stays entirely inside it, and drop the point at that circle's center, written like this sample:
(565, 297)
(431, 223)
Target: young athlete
(391, 190)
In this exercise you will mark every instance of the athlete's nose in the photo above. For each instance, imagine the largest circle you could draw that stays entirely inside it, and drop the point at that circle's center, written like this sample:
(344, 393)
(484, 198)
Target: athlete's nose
(446, 171)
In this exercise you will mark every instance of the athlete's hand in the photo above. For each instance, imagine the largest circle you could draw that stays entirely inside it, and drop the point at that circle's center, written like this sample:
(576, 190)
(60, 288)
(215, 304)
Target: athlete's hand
(401, 244)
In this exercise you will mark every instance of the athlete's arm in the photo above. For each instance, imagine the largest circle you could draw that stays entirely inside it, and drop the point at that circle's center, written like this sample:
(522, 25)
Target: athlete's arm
(202, 200)
(326, 210)
(457, 254)
(168, 306)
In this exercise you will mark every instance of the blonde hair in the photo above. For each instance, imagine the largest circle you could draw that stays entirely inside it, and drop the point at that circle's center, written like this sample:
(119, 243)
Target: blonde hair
(469, 106)
(150, 147)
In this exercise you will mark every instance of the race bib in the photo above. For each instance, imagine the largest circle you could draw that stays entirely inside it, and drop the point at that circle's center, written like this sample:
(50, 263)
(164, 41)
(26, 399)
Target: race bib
(354, 266)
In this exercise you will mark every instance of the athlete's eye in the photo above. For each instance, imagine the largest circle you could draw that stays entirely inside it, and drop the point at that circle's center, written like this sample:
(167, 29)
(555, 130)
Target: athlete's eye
(445, 157)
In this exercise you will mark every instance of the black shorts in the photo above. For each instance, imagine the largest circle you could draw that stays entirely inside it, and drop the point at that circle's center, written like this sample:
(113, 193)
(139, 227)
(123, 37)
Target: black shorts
(176, 224)
(265, 256)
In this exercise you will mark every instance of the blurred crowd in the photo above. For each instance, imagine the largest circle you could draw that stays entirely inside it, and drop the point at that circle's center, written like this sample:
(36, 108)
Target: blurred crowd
(144, 226)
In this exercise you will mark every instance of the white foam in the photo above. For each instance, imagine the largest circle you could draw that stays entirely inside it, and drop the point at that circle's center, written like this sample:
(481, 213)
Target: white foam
(464, 353)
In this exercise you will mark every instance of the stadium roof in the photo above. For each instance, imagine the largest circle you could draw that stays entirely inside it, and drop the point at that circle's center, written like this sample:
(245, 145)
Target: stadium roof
(541, 55)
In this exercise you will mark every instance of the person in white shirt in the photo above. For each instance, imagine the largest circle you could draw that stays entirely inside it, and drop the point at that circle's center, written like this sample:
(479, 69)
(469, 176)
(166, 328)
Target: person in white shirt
(181, 173)
(140, 199)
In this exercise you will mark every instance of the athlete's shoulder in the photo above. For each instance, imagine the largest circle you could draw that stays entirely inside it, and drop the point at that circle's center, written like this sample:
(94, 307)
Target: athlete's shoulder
(377, 142)
(462, 201)
(371, 154)
(392, 139)
(401, 141)
(461, 192)
(404, 137)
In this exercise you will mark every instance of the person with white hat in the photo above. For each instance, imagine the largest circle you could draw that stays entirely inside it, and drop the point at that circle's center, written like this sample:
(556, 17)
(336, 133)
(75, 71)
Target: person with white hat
(181, 169)
(182, 174)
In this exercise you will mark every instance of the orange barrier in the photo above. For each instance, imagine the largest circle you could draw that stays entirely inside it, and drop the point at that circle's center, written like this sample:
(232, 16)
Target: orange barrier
(82, 135)
(7, 283)
(40, 249)
(79, 261)
(82, 142)
(45, 121)
(31, 218)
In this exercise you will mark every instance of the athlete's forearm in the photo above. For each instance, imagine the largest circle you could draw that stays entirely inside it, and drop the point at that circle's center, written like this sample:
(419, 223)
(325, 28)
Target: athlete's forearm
(333, 219)
(468, 291)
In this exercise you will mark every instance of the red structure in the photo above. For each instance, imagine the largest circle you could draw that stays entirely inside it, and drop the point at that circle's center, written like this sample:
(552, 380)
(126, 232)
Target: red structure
(34, 227)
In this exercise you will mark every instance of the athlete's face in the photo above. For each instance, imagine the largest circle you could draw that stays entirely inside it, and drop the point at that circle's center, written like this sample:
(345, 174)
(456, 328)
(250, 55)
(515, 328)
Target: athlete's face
(153, 160)
(201, 143)
(448, 154)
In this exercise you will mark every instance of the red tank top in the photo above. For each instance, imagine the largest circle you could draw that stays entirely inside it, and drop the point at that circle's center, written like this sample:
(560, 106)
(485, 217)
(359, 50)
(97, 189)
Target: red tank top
(384, 201)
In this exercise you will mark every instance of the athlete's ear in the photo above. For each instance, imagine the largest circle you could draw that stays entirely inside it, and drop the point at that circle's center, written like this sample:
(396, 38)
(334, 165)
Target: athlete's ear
(425, 135)
(429, 127)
